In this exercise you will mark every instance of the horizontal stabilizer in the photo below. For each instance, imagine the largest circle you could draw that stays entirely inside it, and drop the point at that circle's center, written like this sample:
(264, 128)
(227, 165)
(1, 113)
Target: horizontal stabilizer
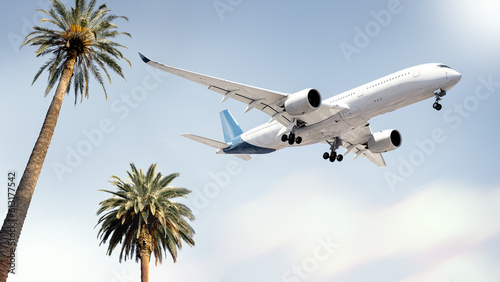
(212, 143)
(215, 144)
(244, 157)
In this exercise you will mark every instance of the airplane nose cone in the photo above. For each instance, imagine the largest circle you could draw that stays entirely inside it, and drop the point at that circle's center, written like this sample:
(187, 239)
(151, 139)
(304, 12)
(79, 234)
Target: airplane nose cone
(455, 76)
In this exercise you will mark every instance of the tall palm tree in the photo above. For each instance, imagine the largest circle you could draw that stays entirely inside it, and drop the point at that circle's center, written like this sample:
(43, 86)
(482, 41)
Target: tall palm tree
(142, 216)
(81, 47)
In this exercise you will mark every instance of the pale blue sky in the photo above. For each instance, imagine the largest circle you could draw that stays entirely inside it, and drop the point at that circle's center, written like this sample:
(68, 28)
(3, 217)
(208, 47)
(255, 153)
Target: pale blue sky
(261, 220)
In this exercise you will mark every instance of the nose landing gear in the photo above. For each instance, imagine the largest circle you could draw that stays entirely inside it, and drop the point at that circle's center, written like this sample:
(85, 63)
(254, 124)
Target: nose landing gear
(439, 94)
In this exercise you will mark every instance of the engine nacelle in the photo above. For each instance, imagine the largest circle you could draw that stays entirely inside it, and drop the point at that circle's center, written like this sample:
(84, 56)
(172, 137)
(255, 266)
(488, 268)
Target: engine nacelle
(384, 141)
(303, 102)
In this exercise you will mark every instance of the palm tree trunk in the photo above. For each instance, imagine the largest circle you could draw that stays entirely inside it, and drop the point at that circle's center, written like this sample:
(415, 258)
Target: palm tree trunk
(14, 221)
(144, 249)
(145, 268)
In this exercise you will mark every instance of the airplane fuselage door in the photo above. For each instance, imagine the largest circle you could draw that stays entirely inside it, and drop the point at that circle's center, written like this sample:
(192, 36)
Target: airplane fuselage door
(416, 72)
(360, 92)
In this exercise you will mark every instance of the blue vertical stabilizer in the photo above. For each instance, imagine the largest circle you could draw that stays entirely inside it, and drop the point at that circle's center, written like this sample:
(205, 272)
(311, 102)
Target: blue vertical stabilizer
(230, 127)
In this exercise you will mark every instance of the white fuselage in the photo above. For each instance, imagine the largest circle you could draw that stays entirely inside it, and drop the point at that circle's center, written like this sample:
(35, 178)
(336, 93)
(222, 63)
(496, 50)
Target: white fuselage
(362, 103)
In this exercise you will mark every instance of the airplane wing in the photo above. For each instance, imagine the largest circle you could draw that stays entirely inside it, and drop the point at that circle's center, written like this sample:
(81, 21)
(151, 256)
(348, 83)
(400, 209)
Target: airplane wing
(355, 141)
(265, 100)
(268, 101)
(375, 158)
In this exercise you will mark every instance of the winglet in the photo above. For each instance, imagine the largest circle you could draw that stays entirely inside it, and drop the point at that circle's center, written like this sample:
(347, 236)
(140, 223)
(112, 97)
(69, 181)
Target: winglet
(146, 60)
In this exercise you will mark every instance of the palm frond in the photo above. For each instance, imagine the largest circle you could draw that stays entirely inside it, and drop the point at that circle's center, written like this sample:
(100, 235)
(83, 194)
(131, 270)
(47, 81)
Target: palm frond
(144, 199)
(82, 31)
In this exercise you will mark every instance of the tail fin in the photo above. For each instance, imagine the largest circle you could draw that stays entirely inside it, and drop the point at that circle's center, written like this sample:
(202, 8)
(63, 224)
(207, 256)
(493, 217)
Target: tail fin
(230, 127)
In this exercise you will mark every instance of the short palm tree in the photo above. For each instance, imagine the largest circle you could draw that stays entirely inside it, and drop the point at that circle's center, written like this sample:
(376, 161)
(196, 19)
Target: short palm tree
(82, 48)
(142, 216)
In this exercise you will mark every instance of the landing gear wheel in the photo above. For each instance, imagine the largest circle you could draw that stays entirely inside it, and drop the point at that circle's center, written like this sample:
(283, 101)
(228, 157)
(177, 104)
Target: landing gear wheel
(340, 158)
(333, 155)
(298, 140)
(332, 158)
(437, 106)
(291, 139)
(284, 138)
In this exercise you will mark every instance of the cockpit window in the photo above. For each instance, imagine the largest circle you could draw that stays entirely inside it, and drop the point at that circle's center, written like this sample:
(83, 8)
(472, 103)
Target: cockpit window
(443, 66)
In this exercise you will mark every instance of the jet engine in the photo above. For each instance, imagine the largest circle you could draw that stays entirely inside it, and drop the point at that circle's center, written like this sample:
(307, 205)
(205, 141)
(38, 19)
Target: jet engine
(303, 102)
(384, 141)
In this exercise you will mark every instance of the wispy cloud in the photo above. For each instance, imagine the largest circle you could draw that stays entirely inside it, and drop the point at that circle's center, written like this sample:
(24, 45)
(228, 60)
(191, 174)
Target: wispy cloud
(434, 232)
(441, 222)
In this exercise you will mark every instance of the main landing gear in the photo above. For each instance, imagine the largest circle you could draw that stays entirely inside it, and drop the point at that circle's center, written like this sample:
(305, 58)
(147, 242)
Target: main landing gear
(438, 93)
(291, 138)
(292, 127)
(332, 156)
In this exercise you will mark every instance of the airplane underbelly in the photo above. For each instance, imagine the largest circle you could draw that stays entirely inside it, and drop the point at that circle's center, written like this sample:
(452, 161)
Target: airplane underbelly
(266, 139)
(243, 145)
(321, 131)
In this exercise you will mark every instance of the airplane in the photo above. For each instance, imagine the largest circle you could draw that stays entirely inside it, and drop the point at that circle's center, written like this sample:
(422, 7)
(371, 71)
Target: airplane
(303, 118)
